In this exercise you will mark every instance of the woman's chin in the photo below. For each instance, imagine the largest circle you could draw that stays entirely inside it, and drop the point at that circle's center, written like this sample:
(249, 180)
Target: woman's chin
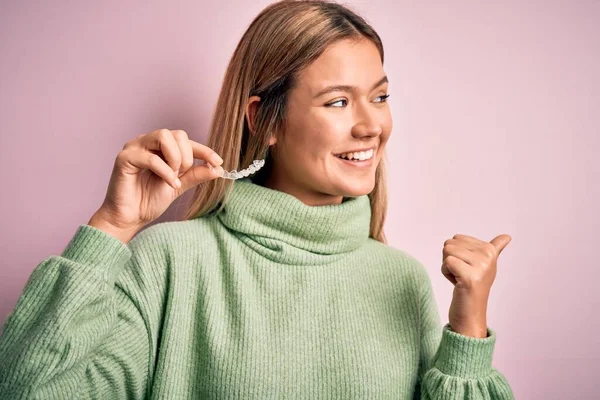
(357, 188)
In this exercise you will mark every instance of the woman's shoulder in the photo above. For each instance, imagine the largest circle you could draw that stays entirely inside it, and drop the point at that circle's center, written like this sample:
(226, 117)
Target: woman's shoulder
(399, 258)
(172, 236)
(164, 247)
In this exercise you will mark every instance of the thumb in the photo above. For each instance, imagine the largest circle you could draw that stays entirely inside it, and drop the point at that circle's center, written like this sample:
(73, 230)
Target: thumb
(198, 174)
(500, 242)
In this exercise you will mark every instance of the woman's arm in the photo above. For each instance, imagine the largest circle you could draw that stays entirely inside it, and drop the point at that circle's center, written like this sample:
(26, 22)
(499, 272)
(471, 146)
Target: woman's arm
(454, 366)
(74, 333)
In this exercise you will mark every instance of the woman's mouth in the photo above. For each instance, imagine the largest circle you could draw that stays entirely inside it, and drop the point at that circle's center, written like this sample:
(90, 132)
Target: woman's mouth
(357, 159)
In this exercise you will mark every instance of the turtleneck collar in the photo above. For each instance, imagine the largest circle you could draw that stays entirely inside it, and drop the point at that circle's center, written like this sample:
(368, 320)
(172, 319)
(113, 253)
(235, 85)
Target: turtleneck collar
(283, 229)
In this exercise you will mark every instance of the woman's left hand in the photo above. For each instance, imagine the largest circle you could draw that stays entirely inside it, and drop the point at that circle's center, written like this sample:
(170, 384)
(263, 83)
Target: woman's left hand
(470, 264)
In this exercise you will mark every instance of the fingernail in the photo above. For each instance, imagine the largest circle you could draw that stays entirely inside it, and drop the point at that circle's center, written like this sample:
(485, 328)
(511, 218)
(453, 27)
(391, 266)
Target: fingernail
(177, 183)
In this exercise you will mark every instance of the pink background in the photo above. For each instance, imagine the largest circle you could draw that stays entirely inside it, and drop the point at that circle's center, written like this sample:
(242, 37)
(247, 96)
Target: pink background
(496, 119)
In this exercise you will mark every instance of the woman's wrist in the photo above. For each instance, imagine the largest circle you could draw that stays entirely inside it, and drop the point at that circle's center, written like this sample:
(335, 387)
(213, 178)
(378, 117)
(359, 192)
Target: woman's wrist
(102, 222)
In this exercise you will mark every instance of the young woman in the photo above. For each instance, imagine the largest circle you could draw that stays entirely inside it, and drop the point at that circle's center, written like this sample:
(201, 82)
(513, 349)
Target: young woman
(276, 285)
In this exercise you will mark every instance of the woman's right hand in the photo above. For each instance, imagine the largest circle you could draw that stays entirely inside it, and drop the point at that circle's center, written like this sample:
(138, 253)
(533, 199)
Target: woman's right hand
(144, 179)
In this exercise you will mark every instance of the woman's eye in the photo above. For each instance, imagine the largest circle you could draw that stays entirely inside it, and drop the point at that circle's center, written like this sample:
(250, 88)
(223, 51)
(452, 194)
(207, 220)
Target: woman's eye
(384, 98)
(335, 102)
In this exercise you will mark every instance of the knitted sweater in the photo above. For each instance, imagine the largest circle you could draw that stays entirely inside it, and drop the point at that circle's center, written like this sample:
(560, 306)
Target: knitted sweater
(270, 298)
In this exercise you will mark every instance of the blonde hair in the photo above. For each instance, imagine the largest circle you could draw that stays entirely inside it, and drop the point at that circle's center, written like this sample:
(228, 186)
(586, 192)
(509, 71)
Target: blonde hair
(282, 40)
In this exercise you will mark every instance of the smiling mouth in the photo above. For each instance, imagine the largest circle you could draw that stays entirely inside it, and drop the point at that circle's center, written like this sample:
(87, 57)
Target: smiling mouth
(357, 157)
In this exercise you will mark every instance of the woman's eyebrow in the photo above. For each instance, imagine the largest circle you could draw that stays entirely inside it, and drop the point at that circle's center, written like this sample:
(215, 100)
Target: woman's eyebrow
(346, 88)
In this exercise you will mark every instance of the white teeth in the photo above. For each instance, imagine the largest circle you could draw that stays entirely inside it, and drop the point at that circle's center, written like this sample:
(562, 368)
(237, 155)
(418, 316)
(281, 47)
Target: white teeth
(362, 155)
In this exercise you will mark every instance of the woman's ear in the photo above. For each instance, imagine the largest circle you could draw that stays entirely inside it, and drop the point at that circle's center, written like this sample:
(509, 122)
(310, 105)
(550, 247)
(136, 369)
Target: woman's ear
(251, 107)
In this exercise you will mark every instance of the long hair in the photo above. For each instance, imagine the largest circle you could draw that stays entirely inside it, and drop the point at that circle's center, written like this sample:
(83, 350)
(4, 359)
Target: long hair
(282, 40)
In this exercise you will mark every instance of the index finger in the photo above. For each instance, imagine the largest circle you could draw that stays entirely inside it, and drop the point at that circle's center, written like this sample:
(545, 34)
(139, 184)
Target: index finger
(205, 153)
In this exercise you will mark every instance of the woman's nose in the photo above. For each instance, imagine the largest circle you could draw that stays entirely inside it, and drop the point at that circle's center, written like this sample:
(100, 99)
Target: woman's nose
(367, 124)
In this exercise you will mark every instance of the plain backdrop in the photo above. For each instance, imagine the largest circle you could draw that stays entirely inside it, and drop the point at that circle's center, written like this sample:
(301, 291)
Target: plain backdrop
(496, 130)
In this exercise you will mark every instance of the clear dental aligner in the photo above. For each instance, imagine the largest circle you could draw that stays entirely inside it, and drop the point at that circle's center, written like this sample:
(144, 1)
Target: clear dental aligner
(233, 175)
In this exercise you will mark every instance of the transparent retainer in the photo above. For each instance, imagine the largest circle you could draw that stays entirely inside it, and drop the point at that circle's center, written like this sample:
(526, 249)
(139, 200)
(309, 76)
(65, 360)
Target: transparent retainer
(233, 175)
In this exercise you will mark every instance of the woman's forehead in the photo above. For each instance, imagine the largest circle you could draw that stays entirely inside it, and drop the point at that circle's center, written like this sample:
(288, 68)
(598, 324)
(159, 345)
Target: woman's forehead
(345, 63)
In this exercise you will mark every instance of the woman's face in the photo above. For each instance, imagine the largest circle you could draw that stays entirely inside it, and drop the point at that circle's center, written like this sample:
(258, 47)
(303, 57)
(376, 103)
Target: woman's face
(322, 124)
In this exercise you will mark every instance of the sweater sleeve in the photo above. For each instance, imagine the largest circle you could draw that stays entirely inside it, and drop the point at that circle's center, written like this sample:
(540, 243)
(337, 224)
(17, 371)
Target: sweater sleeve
(75, 333)
(454, 366)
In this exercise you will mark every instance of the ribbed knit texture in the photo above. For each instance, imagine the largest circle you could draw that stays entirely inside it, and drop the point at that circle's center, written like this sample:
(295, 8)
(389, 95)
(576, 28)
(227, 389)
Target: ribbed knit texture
(269, 299)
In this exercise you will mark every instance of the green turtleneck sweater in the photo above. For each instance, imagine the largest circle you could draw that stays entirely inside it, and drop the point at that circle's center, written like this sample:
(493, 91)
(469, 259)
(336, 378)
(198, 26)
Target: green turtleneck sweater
(270, 298)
